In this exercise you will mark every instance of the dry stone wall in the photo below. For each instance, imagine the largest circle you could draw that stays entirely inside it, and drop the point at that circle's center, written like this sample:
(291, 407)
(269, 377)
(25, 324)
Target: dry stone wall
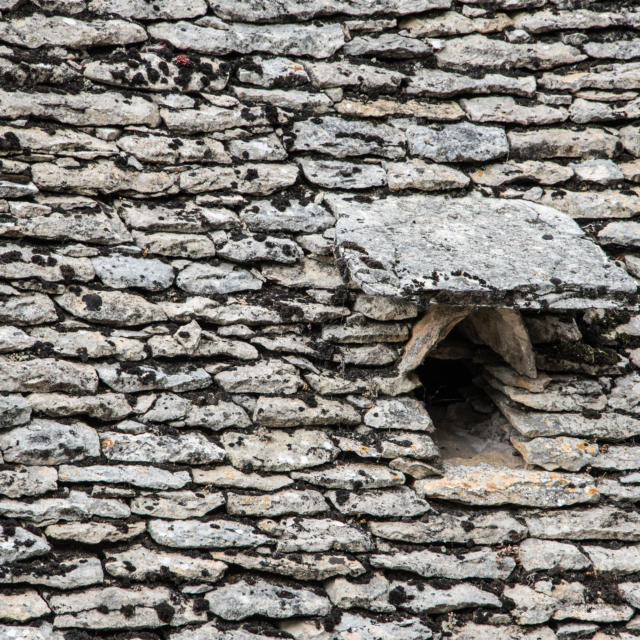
(205, 433)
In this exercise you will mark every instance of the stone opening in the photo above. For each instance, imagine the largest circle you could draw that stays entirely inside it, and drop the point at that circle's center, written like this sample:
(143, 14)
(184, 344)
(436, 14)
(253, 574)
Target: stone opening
(469, 427)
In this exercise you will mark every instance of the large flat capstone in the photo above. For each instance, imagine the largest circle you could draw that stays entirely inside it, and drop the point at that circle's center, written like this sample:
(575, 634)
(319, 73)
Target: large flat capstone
(474, 250)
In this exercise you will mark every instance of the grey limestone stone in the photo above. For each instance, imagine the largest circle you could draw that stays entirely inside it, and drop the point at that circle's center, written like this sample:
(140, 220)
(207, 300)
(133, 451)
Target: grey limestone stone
(48, 442)
(369, 78)
(24, 606)
(305, 502)
(28, 481)
(94, 532)
(27, 309)
(177, 505)
(335, 174)
(352, 476)
(14, 410)
(228, 476)
(293, 412)
(214, 534)
(387, 45)
(378, 228)
(428, 599)
(293, 216)
(562, 452)
(259, 248)
(551, 143)
(189, 448)
(145, 378)
(496, 175)
(625, 560)
(135, 475)
(310, 535)
(19, 544)
(372, 595)
(278, 450)
(416, 174)
(395, 503)
(399, 413)
(141, 10)
(47, 374)
(243, 599)
(216, 279)
(272, 72)
(548, 555)
(273, 376)
(122, 272)
(342, 138)
(281, 39)
(506, 109)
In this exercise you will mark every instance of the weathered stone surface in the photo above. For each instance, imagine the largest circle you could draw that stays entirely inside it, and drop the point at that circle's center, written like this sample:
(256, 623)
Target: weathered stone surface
(532, 606)
(141, 564)
(483, 563)
(14, 339)
(94, 532)
(438, 83)
(14, 410)
(342, 138)
(473, 631)
(256, 248)
(571, 454)
(144, 378)
(276, 504)
(27, 262)
(416, 174)
(27, 481)
(352, 476)
(260, 149)
(48, 442)
(382, 107)
(38, 31)
(369, 78)
(25, 310)
(304, 566)
(334, 174)
(17, 543)
(399, 413)
(372, 595)
(259, 597)
(431, 329)
(381, 227)
(372, 443)
(135, 475)
(47, 374)
(496, 175)
(282, 39)
(551, 143)
(195, 534)
(273, 376)
(189, 448)
(24, 606)
(294, 412)
(546, 555)
(110, 307)
(140, 10)
(306, 534)
(43, 632)
(620, 561)
(427, 599)
(58, 572)
(272, 72)
(357, 329)
(216, 279)
(480, 51)
(176, 504)
(506, 109)
(293, 216)
(626, 234)
(394, 503)
(601, 523)
(490, 485)
(278, 450)
(462, 142)
(227, 476)
(122, 272)
(387, 45)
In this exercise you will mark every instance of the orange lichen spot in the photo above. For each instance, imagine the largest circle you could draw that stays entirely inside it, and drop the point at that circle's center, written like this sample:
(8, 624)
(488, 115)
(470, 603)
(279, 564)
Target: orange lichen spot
(107, 443)
(592, 491)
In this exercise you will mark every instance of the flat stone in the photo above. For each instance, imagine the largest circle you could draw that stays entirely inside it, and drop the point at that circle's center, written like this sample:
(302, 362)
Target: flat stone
(626, 234)
(416, 174)
(14, 339)
(27, 481)
(267, 376)
(623, 561)
(17, 543)
(486, 485)
(310, 535)
(37, 30)
(214, 534)
(253, 11)
(399, 413)
(295, 217)
(21, 262)
(329, 75)
(27, 310)
(278, 450)
(342, 138)
(293, 412)
(452, 23)
(333, 174)
(547, 555)
(260, 149)
(373, 443)
(49, 443)
(77, 505)
(561, 143)
(14, 410)
(243, 599)
(600, 523)
(140, 10)
(496, 175)
(305, 502)
(81, 109)
(24, 606)
(372, 595)
(387, 45)
(571, 454)
(595, 612)
(145, 378)
(483, 563)
(207, 279)
(506, 109)
(383, 107)
(189, 448)
(122, 272)
(290, 99)
(281, 39)
(143, 565)
(473, 631)
(486, 53)
(135, 475)
(94, 532)
(43, 632)
(531, 606)
(352, 476)
(178, 505)
(47, 374)
(110, 307)
(463, 142)
(599, 171)
(258, 248)
(179, 245)
(272, 72)
(380, 503)
(384, 229)
(439, 83)
(301, 566)
(430, 330)
(227, 476)
(623, 394)
(427, 599)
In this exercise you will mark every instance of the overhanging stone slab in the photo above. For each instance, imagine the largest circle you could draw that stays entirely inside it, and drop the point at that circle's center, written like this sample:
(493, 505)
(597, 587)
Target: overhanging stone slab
(474, 251)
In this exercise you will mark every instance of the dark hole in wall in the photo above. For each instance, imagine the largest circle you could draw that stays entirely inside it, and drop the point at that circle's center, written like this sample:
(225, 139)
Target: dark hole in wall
(469, 427)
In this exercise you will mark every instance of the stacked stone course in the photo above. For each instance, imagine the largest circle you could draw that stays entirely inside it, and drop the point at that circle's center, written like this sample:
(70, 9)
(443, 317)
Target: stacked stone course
(206, 430)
